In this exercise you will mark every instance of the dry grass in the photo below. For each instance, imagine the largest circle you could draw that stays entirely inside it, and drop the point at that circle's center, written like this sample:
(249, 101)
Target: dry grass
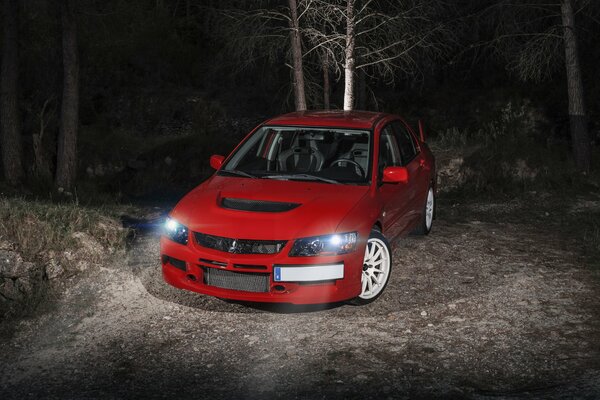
(37, 228)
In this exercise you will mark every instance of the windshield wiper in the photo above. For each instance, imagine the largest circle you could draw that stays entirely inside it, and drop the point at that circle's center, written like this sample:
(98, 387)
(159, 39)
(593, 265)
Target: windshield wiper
(237, 172)
(303, 177)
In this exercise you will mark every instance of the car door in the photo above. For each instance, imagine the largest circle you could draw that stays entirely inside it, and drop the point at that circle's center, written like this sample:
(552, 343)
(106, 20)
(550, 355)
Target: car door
(395, 201)
(412, 159)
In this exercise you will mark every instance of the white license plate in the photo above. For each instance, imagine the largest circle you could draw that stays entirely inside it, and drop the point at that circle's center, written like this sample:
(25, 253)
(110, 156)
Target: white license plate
(308, 273)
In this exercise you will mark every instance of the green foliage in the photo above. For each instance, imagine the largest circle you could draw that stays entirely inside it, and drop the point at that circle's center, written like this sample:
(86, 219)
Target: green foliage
(510, 150)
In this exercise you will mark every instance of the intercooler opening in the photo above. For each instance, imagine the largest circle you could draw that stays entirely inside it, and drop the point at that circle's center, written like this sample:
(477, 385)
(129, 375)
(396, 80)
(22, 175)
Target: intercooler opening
(244, 281)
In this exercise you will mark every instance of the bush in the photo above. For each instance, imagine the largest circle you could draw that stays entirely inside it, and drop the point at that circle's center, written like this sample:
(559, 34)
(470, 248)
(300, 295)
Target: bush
(39, 228)
(41, 242)
(512, 152)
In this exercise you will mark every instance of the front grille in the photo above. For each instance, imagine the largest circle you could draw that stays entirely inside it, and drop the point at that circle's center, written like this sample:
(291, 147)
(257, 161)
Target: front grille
(239, 246)
(250, 266)
(245, 281)
(257, 205)
(213, 262)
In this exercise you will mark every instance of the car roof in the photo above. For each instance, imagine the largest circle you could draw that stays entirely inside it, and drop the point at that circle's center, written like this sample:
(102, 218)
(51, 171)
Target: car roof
(341, 119)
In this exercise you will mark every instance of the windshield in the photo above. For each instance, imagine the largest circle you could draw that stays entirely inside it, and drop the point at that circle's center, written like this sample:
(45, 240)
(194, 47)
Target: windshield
(328, 155)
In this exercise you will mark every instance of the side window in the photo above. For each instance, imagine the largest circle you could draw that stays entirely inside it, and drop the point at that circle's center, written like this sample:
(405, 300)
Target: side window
(389, 155)
(406, 143)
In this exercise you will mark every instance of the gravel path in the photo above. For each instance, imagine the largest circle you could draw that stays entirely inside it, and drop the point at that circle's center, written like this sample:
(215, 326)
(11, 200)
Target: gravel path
(474, 310)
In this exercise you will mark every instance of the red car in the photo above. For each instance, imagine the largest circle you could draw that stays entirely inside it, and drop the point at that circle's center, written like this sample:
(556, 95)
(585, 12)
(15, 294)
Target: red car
(303, 211)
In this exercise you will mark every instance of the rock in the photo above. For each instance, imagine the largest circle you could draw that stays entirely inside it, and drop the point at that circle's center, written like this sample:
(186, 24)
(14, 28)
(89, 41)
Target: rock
(54, 269)
(423, 313)
(88, 243)
(9, 289)
(168, 160)
(82, 265)
(13, 266)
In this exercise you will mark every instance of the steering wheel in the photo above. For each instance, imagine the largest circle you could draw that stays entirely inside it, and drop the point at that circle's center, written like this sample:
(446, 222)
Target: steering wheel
(347, 160)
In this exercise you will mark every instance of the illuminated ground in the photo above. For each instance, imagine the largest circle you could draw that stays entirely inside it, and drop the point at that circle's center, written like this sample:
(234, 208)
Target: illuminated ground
(475, 310)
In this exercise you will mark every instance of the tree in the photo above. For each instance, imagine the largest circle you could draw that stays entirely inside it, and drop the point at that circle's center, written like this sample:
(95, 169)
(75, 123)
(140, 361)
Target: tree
(349, 61)
(381, 38)
(326, 83)
(260, 30)
(66, 163)
(9, 106)
(529, 36)
(297, 67)
(577, 115)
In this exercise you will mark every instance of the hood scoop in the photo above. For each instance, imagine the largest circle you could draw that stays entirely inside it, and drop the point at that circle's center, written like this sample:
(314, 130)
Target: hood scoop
(257, 205)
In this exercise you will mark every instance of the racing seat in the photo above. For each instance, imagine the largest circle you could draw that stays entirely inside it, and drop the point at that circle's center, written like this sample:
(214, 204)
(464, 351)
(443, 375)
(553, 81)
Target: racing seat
(301, 159)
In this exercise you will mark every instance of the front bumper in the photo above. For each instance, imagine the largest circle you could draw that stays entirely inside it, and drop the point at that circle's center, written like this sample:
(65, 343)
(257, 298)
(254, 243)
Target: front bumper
(296, 280)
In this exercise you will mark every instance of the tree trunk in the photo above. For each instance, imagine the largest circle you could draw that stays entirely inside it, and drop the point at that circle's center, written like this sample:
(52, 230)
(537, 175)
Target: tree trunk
(9, 107)
(299, 95)
(349, 55)
(326, 83)
(66, 163)
(362, 90)
(41, 164)
(578, 120)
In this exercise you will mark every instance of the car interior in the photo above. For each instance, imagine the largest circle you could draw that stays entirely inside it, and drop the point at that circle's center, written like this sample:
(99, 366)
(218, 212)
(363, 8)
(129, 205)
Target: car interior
(341, 155)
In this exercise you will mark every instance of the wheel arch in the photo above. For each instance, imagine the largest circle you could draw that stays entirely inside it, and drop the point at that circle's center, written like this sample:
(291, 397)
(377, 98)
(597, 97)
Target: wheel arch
(378, 226)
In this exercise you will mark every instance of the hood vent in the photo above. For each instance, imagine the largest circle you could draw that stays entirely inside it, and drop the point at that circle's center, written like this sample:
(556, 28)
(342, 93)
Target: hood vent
(257, 205)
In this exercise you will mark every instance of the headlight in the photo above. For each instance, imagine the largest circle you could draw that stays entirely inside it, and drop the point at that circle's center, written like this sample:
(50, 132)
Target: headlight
(175, 231)
(327, 245)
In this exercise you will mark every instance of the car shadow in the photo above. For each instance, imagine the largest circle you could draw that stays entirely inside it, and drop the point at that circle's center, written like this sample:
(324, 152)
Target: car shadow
(287, 308)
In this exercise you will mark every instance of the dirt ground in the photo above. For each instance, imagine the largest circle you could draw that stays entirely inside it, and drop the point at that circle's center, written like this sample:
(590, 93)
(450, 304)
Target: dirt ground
(475, 310)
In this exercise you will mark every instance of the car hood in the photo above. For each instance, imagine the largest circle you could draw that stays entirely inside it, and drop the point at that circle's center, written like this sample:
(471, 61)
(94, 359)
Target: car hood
(321, 207)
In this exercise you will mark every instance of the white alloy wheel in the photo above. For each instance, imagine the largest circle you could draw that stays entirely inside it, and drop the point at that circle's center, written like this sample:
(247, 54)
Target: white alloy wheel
(426, 220)
(429, 209)
(376, 267)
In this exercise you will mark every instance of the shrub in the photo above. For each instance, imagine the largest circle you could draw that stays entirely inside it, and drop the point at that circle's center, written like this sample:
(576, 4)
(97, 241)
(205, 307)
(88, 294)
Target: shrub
(37, 228)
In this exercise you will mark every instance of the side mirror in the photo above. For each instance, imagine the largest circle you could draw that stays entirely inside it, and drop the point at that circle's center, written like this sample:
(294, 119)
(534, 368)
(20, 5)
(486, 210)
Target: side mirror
(395, 175)
(216, 161)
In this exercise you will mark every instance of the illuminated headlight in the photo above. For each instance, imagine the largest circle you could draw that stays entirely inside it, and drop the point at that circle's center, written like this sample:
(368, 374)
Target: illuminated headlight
(175, 231)
(328, 245)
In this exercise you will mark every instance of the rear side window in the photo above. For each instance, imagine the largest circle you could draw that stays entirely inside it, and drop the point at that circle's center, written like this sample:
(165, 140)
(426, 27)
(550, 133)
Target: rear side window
(389, 154)
(406, 143)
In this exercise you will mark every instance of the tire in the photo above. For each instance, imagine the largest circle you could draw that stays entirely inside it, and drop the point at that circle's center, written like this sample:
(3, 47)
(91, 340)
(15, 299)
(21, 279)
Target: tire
(377, 268)
(426, 221)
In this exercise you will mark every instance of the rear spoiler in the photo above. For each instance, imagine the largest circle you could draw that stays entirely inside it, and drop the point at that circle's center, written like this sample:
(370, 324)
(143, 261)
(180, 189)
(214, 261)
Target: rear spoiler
(421, 131)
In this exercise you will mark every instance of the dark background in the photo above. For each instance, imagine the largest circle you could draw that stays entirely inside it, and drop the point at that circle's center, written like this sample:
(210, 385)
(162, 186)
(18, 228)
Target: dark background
(164, 84)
